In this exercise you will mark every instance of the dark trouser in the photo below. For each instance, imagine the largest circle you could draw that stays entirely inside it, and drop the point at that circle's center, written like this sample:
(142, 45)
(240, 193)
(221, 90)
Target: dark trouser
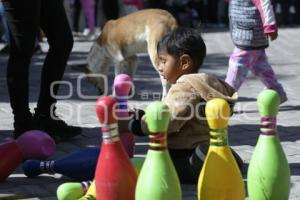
(24, 20)
(188, 162)
(111, 9)
(187, 172)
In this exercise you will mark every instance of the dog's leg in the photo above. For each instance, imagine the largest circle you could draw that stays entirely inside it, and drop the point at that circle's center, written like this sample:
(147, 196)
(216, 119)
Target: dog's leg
(97, 66)
(152, 50)
(100, 79)
(132, 62)
(119, 69)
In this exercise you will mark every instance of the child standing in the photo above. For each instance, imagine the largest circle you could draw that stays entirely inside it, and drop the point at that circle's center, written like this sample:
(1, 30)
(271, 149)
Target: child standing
(252, 22)
(181, 53)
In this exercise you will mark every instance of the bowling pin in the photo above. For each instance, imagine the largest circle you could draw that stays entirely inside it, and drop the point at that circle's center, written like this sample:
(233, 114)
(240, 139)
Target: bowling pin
(137, 163)
(30, 145)
(158, 178)
(72, 191)
(91, 193)
(268, 172)
(115, 177)
(79, 165)
(122, 86)
(220, 177)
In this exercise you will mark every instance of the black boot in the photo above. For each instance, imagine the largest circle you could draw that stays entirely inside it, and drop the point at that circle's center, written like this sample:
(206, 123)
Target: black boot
(23, 124)
(55, 127)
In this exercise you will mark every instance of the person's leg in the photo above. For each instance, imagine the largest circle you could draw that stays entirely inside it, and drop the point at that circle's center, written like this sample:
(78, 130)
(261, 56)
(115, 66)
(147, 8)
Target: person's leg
(111, 9)
(239, 64)
(186, 172)
(89, 12)
(221, 15)
(285, 11)
(76, 16)
(297, 5)
(55, 25)
(70, 11)
(263, 70)
(188, 163)
(4, 24)
(23, 20)
(57, 30)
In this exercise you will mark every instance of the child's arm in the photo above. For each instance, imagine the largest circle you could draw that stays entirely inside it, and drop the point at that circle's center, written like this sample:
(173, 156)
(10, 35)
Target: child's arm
(266, 11)
(181, 106)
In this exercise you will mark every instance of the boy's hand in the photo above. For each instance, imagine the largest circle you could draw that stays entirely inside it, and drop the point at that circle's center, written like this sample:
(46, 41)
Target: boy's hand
(136, 114)
(125, 124)
(135, 127)
(134, 124)
(272, 35)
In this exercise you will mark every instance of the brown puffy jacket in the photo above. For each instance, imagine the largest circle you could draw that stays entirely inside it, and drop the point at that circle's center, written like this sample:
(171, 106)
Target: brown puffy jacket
(187, 127)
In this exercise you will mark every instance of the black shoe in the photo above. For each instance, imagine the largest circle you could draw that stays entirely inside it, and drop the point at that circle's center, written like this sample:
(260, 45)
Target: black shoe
(38, 49)
(5, 50)
(56, 127)
(22, 125)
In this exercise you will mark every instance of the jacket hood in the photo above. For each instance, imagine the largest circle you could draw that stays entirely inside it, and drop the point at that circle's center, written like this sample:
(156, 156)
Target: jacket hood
(209, 87)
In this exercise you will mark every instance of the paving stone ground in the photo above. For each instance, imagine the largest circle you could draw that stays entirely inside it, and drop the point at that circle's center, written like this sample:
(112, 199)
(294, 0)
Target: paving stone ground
(284, 55)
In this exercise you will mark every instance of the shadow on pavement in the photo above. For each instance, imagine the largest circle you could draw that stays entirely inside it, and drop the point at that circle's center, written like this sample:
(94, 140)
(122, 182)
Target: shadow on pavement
(247, 134)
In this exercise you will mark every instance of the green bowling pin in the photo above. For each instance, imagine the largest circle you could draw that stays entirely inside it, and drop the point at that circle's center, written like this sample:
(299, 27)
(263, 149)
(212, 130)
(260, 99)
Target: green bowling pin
(268, 172)
(158, 179)
(72, 191)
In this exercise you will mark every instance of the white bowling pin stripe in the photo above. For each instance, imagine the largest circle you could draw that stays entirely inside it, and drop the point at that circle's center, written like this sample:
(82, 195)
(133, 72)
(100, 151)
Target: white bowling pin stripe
(158, 141)
(110, 133)
(85, 186)
(47, 167)
(268, 126)
(110, 126)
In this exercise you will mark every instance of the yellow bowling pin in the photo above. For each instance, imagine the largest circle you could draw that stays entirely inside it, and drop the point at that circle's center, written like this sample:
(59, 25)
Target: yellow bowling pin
(220, 177)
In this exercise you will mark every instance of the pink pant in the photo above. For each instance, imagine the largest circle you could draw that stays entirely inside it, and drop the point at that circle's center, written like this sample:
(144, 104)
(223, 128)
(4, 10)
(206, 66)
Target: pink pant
(89, 12)
(241, 61)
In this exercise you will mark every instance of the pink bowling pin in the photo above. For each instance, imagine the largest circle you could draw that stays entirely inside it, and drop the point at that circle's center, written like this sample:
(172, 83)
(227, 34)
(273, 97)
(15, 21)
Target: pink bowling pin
(115, 176)
(30, 145)
(122, 86)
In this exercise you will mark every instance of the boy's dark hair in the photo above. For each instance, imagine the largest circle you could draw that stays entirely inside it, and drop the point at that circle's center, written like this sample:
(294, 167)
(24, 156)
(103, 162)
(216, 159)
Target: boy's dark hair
(184, 41)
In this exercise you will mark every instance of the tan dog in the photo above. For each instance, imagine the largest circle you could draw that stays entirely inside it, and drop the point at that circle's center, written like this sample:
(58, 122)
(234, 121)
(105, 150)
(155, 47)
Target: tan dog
(122, 39)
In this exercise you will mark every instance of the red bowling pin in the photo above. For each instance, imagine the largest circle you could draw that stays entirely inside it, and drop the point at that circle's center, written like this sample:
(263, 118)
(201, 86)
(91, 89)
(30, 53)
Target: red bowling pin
(115, 177)
(122, 86)
(30, 145)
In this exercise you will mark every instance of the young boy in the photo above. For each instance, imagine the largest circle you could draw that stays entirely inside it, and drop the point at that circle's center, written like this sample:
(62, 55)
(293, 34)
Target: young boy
(181, 53)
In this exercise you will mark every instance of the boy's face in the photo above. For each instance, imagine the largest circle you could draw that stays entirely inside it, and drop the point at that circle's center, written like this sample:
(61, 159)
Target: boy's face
(169, 67)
